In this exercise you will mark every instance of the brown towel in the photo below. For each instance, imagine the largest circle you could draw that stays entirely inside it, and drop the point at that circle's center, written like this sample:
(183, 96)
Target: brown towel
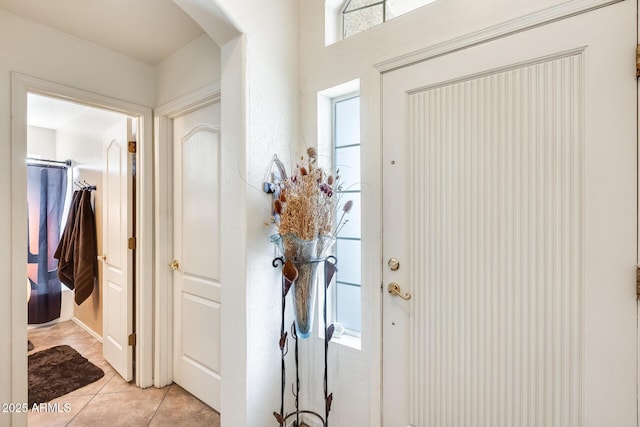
(85, 250)
(64, 252)
(77, 251)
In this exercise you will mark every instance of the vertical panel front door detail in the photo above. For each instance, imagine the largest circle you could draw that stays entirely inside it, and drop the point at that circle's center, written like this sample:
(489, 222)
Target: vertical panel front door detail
(510, 177)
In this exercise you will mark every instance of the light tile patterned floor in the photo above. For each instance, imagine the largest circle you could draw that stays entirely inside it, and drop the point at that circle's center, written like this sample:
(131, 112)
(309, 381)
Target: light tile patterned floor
(110, 400)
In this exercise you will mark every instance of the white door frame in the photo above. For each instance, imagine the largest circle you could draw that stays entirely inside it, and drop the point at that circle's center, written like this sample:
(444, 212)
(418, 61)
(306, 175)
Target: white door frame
(21, 86)
(163, 140)
(638, 202)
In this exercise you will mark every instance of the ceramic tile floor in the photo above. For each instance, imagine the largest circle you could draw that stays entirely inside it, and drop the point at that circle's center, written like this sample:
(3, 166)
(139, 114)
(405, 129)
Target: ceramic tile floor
(111, 401)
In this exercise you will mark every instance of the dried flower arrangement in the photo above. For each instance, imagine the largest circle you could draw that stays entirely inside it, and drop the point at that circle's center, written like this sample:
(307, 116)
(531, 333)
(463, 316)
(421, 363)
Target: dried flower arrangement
(309, 200)
(305, 208)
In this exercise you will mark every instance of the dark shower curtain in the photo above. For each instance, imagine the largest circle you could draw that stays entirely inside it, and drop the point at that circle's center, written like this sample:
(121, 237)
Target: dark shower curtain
(46, 191)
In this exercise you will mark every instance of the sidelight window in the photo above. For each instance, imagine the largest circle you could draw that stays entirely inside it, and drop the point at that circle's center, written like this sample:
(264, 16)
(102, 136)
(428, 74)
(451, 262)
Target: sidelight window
(346, 160)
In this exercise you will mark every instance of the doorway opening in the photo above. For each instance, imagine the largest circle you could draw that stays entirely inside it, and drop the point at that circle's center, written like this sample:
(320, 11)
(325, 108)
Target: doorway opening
(84, 172)
(67, 135)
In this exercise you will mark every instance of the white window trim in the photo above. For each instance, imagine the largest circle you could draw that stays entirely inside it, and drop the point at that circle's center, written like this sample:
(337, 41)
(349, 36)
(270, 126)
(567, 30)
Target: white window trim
(333, 21)
(325, 102)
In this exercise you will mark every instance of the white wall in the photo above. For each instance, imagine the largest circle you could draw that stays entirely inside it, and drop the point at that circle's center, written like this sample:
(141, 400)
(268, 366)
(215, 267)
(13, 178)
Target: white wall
(81, 139)
(38, 51)
(192, 67)
(354, 375)
(41, 142)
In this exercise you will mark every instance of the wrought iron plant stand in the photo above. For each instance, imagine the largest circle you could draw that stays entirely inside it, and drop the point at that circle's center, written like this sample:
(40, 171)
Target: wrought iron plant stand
(330, 268)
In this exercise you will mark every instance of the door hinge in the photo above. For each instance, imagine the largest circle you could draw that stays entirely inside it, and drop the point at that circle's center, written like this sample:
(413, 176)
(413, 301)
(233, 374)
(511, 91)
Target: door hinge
(132, 339)
(638, 61)
(132, 243)
(637, 282)
(132, 147)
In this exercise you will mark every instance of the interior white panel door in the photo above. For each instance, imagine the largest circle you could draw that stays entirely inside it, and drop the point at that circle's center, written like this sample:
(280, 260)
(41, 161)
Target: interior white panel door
(509, 199)
(117, 299)
(197, 286)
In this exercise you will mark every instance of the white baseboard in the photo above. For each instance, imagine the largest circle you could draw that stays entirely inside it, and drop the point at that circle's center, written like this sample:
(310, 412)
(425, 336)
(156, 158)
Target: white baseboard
(86, 328)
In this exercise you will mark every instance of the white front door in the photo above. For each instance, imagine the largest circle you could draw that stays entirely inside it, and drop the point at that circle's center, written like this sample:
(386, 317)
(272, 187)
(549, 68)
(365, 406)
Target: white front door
(117, 299)
(197, 287)
(510, 202)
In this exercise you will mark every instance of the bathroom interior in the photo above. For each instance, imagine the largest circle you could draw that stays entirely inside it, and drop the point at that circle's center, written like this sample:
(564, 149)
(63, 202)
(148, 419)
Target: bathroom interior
(65, 143)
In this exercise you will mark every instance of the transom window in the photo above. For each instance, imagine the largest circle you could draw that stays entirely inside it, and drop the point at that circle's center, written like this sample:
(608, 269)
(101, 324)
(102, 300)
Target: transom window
(360, 15)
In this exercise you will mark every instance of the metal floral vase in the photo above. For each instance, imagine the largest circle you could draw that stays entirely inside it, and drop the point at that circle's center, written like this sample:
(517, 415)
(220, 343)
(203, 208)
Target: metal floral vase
(306, 255)
(303, 294)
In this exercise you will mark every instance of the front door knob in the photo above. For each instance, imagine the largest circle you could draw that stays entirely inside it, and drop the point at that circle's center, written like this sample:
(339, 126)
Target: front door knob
(394, 289)
(175, 265)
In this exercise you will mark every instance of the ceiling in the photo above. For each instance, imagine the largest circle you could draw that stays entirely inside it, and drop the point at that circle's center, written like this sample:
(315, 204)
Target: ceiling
(147, 30)
(58, 114)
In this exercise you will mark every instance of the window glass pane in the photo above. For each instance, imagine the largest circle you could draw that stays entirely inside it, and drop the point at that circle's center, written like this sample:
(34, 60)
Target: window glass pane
(348, 163)
(400, 7)
(356, 4)
(347, 125)
(352, 226)
(346, 159)
(349, 306)
(348, 254)
(363, 19)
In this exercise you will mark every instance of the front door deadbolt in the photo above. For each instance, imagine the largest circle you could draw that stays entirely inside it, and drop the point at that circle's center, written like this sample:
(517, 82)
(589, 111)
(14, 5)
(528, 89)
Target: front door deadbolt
(393, 264)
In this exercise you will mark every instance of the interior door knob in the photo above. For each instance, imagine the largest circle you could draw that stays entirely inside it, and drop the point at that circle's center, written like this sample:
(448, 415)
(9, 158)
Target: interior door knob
(394, 289)
(175, 265)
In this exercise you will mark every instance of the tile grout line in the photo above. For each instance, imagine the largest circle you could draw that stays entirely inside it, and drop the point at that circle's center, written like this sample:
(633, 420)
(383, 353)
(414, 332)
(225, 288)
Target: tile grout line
(158, 408)
(82, 409)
